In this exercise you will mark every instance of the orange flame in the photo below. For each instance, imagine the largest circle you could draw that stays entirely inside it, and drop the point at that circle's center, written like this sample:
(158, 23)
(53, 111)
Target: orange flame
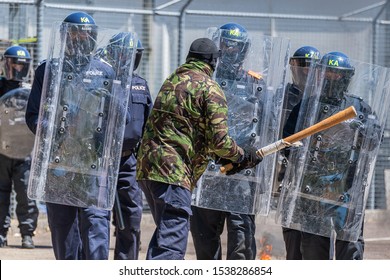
(265, 249)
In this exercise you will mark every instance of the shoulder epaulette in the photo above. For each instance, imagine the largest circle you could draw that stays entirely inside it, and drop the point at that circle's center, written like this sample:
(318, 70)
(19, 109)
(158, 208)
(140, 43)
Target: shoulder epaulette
(254, 74)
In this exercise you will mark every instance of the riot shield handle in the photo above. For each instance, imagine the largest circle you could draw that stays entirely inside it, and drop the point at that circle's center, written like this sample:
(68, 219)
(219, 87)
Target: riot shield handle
(329, 122)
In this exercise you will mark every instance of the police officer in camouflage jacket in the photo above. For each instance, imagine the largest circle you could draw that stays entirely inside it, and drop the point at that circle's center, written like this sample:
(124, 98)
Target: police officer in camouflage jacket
(186, 127)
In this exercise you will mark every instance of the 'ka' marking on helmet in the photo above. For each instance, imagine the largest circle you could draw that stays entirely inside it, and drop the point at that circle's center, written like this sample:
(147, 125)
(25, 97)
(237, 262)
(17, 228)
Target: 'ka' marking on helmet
(333, 62)
(235, 32)
(21, 53)
(84, 19)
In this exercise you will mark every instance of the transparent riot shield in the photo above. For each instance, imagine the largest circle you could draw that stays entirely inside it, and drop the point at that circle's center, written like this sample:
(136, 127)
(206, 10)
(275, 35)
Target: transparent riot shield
(16, 139)
(328, 178)
(255, 96)
(81, 120)
(292, 96)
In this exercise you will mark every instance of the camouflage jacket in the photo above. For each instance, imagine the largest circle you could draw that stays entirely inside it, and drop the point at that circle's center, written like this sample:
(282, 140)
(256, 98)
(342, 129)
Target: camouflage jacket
(187, 126)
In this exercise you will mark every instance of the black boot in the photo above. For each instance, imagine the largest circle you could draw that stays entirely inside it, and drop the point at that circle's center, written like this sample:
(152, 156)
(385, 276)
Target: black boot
(27, 242)
(3, 241)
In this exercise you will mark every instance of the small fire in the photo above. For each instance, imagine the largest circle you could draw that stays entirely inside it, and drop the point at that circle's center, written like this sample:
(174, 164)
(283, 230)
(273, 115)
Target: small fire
(265, 248)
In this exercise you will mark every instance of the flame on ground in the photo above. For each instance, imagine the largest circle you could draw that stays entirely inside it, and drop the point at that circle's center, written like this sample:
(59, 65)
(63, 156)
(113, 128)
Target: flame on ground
(265, 249)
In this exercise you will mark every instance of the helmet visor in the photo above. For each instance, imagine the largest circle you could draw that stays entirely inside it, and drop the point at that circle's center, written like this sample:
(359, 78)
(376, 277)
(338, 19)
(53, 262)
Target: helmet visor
(299, 67)
(301, 61)
(17, 69)
(80, 39)
(336, 82)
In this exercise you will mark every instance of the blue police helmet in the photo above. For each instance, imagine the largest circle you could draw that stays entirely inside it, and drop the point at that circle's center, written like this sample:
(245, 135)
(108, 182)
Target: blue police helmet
(80, 18)
(234, 31)
(234, 43)
(17, 52)
(337, 75)
(16, 61)
(117, 45)
(80, 33)
(307, 52)
(337, 60)
(304, 56)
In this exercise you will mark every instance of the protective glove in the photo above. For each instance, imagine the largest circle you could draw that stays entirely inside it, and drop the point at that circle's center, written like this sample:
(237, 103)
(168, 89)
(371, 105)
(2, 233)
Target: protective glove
(222, 161)
(356, 125)
(251, 159)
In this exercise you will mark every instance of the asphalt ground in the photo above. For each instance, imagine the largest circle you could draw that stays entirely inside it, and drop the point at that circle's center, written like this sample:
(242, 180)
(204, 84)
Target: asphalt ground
(269, 238)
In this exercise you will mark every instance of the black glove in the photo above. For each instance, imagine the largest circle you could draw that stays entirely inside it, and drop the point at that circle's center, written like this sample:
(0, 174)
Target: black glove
(222, 161)
(251, 159)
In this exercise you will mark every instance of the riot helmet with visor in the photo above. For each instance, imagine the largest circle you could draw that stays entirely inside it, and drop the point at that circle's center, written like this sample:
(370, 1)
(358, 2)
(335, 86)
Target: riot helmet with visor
(300, 62)
(234, 43)
(80, 33)
(337, 71)
(119, 51)
(16, 62)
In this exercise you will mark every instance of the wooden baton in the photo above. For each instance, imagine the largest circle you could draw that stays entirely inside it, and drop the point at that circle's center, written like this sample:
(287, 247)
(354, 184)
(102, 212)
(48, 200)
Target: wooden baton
(333, 120)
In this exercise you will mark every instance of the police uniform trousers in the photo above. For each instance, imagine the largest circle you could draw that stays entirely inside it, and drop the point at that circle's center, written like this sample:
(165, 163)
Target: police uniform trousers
(315, 247)
(170, 206)
(79, 233)
(292, 241)
(127, 242)
(207, 226)
(15, 172)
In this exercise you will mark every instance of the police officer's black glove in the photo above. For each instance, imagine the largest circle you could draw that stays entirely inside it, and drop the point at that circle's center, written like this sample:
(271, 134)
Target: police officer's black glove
(251, 159)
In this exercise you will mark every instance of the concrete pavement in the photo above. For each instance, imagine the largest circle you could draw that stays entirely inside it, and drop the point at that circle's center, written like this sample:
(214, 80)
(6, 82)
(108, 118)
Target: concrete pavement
(377, 237)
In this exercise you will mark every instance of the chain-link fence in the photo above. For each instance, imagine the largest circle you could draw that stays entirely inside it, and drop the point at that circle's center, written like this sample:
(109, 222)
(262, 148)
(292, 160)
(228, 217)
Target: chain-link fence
(166, 28)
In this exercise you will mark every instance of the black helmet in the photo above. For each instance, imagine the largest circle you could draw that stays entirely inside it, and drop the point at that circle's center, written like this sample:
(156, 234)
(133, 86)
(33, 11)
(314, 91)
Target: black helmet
(16, 62)
(337, 75)
(80, 32)
(205, 50)
(116, 50)
(301, 59)
(234, 43)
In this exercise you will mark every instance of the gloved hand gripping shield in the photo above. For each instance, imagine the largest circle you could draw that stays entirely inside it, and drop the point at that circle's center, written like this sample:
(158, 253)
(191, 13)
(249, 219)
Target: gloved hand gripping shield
(327, 180)
(251, 72)
(16, 140)
(81, 120)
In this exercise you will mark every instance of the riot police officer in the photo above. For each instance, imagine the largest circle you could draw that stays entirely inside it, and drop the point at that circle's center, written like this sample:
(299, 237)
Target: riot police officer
(129, 196)
(76, 232)
(333, 162)
(300, 63)
(207, 224)
(16, 62)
